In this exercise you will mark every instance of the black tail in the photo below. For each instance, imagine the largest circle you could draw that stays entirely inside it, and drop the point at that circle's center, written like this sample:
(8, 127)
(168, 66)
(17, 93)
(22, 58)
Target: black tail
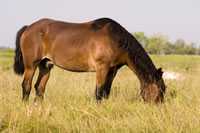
(18, 59)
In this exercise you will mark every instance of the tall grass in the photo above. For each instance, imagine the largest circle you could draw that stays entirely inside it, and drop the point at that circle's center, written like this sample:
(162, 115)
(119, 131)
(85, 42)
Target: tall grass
(70, 106)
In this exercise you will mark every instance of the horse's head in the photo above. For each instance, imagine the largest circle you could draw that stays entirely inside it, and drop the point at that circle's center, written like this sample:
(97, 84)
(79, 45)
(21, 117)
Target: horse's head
(154, 91)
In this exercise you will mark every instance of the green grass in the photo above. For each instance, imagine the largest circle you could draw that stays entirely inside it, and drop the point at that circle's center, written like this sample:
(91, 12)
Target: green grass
(6, 59)
(70, 106)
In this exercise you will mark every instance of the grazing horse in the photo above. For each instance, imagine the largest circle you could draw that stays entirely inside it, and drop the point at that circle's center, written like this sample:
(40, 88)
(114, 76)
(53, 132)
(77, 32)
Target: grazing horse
(102, 46)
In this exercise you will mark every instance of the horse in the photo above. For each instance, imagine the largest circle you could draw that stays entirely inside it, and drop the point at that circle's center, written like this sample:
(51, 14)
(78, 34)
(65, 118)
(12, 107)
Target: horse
(102, 46)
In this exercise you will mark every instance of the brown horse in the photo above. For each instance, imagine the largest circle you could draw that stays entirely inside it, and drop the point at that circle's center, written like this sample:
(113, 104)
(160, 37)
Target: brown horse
(101, 46)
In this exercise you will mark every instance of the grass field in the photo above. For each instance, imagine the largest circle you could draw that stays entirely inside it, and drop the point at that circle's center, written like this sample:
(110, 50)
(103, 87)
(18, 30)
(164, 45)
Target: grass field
(70, 106)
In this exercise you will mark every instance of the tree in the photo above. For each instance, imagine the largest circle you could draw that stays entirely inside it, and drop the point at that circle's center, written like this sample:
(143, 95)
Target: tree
(140, 36)
(160, 44)
(157, 44)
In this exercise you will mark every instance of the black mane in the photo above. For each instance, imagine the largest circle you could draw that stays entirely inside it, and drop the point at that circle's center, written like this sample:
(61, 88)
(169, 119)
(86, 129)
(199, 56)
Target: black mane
(129, 43)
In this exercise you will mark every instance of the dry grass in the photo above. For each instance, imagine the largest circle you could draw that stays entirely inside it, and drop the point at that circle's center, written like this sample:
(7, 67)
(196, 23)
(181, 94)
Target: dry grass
(70, 106)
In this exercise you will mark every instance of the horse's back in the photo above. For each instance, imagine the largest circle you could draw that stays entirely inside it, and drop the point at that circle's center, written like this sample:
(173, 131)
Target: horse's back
(74, 46)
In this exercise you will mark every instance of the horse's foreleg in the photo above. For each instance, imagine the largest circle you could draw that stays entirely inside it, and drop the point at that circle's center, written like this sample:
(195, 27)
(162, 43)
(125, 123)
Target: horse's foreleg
(26, 84)
(109, 79)
(101, 77)
(44, 73)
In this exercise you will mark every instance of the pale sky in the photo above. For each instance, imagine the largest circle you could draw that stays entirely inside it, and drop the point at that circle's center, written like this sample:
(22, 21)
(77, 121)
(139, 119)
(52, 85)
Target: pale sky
(173, 18)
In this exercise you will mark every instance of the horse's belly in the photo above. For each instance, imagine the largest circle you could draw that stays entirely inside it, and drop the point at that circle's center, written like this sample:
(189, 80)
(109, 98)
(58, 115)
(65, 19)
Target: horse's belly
(77, 64)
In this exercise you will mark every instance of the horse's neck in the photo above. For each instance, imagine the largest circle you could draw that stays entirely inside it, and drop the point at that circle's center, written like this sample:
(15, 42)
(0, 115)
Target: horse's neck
(141, 62)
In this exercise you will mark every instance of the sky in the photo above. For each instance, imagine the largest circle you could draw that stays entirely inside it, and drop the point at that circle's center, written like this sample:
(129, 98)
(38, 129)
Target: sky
(173, 18)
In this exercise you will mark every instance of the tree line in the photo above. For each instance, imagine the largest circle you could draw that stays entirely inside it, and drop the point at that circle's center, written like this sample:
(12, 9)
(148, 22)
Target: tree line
(160, 44)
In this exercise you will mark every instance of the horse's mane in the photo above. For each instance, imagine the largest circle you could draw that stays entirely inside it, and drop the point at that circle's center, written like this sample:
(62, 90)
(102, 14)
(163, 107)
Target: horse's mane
(142, 62)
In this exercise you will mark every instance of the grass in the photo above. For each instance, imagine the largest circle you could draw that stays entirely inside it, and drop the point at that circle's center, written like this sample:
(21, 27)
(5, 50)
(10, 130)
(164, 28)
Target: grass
(70, 106)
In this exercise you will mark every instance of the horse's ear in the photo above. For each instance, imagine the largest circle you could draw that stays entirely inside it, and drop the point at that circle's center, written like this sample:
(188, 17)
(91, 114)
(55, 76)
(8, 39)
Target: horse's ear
(159, 73)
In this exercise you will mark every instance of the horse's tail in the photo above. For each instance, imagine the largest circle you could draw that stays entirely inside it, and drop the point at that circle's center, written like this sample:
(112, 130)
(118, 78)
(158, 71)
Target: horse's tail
(18, 59)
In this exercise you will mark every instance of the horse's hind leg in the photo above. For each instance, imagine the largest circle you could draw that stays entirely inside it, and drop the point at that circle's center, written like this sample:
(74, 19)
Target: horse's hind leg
(44, 73)
(26, 84)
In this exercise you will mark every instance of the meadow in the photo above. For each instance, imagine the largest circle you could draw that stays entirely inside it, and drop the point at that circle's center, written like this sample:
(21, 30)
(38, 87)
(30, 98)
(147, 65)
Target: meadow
(70, 106)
